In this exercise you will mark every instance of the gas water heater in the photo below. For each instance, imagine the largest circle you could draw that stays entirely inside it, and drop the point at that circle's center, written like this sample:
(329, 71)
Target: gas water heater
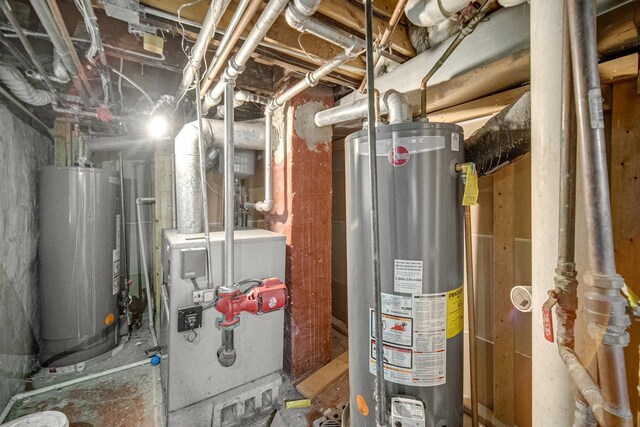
(421, 261)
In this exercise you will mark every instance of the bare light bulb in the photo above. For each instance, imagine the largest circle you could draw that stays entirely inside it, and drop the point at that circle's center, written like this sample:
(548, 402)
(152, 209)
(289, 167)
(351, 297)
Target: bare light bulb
(157, 126)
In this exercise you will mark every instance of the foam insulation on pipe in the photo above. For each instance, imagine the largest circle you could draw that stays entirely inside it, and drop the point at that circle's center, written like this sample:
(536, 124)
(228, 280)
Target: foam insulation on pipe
(249, 136)
(503, 139)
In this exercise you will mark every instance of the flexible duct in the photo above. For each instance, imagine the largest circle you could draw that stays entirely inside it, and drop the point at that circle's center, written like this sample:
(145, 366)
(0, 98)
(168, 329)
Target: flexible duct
(22, 89)
(503, 139)
(188, 194)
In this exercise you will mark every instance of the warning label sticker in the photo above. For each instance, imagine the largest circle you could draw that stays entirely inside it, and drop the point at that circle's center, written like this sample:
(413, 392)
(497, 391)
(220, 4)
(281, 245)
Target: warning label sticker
(395, 329)
(415, 332)
(407, 276)
(455, 312)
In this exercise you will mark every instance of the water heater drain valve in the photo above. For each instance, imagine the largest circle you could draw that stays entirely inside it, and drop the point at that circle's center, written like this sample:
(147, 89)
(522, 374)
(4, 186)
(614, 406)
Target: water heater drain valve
(270, 295)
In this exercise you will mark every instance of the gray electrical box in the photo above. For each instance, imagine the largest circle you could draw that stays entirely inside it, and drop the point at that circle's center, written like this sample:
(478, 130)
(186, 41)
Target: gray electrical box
(193, 263)
(192, 377)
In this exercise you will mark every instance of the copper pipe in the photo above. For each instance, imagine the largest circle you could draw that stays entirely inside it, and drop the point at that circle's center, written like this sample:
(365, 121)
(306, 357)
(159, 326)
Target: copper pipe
(393, 23)
(471, 307)
(376, 106)
(213, 71)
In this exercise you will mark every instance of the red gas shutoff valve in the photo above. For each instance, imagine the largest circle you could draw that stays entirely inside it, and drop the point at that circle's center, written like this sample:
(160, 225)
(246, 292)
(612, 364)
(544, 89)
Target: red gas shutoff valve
(271, 295)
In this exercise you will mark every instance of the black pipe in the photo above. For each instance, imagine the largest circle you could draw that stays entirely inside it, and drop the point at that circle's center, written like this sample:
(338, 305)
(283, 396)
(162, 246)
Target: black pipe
(381, 408)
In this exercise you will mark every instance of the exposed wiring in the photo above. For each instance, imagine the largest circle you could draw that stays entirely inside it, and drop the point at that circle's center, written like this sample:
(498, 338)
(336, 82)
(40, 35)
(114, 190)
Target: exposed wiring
(91, 30)
(134, 84)
(195, 284)
(120, 88)
(195, 334)
(184, 39)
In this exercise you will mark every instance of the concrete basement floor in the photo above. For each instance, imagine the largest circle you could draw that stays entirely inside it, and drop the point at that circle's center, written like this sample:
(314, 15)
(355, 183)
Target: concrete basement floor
(133, 397)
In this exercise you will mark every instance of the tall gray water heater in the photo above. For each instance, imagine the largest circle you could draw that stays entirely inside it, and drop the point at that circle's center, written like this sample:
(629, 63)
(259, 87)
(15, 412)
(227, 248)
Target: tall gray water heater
(79, 263)
(421, 256)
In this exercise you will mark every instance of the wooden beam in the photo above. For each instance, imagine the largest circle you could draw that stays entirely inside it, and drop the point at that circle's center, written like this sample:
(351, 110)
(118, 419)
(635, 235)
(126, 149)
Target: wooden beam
(503, 281)
(280, 34)
(351, 15)
(610, 71)
(625, 193)
(482, 107)
(62, 140)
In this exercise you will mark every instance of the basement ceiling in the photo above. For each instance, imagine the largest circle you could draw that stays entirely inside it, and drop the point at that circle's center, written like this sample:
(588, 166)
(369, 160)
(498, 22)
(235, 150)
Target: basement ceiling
(284, 55)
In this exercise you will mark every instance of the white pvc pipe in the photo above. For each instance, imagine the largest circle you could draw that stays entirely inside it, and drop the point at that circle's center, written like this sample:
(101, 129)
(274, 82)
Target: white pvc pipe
(63, 384)
(139, 202)
(432, 12)
(552, 387)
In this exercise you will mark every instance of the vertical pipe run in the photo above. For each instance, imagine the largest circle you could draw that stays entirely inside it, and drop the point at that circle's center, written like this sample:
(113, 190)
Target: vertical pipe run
(139, 202)
(551, 406)
(227, 351)
(229, 190)
(471, 306)
(605, 306)
(203, 187)
(381, 406)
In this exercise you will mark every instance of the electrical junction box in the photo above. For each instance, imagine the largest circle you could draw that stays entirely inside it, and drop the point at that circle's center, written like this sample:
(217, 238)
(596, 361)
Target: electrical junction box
(193, 263)
(189, 318)
(407, 412)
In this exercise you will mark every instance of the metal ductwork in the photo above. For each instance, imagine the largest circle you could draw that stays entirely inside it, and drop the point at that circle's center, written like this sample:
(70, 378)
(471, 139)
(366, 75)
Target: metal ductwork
(22, 89)
(188, 190)
(393, 103)
(123, 143)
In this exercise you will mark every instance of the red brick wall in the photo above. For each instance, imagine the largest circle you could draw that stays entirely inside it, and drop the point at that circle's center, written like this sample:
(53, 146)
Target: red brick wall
(302, 211)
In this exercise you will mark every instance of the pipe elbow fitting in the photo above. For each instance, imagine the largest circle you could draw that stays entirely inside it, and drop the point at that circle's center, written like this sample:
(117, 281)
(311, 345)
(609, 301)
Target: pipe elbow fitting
(295, 19)
(398, 106)
(264, 206)
(306, 7)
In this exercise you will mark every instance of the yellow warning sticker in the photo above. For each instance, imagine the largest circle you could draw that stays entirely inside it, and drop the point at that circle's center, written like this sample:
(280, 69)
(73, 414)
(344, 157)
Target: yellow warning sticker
(470, 197)
(455, 312)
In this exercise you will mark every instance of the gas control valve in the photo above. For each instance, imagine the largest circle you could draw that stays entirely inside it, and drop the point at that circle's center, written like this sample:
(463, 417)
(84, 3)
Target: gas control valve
(270, 295)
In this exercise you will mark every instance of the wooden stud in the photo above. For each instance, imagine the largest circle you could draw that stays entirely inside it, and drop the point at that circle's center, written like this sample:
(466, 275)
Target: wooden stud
(62, 141)
(503, 281)
(625, 193)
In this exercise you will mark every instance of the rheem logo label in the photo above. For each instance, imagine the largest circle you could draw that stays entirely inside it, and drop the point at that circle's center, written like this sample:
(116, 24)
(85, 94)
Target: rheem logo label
(399, 156)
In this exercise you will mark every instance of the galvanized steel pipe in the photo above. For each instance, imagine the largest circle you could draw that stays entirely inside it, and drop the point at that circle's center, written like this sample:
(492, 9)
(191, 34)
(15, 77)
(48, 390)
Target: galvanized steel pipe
(392, 102)
(605, 306)
(237, 63)
(214, 13)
